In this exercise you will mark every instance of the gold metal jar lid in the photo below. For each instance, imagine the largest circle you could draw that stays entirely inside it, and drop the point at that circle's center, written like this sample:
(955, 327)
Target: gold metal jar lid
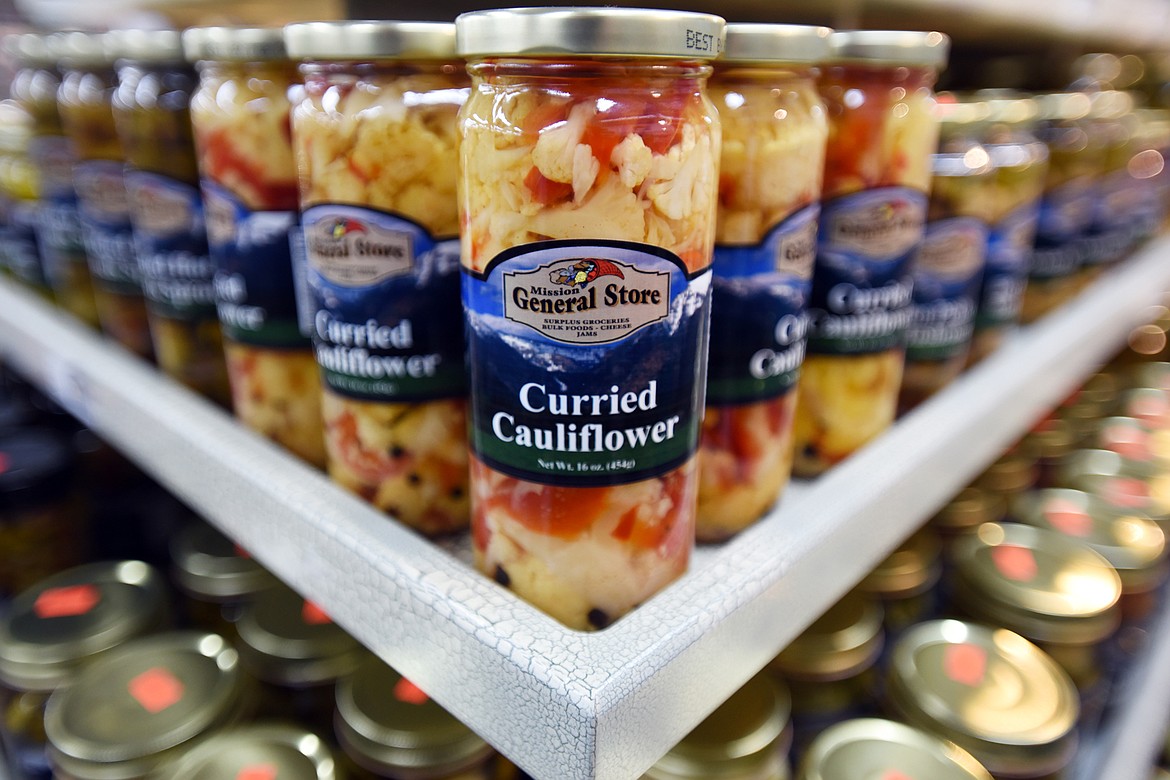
(239, 44)
(387, 725)
(875, 748)
(359, 40)
(889, 47)
(1151, 405)
(1132, 543)
(1063, 106)
(261, 750)
(990, 691)
(1110, 104)
(1052, 439)
(145, 46)
(971, 508)
(16, 128)
(126, 711)
(287, 640)
(50, 630)
(912, 569)
(30, 49)
(80, 50)
(1115, 478)
(589, 31)
(1151, 374)
(209, 566)
(1013, 473)
(1037, 582)
(775, 43)
(843, 642)
(742, 734)
(1129, 437)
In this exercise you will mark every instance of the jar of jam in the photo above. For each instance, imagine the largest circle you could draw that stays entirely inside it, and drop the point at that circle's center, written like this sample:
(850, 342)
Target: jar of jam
(969, 509)
(20, 190)
(947, 267)
(298, 653)
(770, 170)
(391, 730)
(1019, 162)
(84, 100)
(989, 691)
(136, 707)
(745, 738)
(58, 226)
(877, 86)
(589, 169)
(375, 138)
(1111, 234)
(259, 751)
(151, 115)
(905, 582)
(51, 630)
(240, 116)
(217, 577)
(1015, 472)
(1051, 440)
(1066, 208)
(1118, 482)
(871, 747)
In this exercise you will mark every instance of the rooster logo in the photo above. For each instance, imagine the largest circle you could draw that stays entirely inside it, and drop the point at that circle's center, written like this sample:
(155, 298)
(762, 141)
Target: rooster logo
(582, 272)
(342, 227)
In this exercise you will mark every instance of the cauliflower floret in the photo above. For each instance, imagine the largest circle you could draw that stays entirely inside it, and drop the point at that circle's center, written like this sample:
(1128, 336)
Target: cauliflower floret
(556, 151)
(585, 170)
(633, 159)
(682, 183)
(611, 212)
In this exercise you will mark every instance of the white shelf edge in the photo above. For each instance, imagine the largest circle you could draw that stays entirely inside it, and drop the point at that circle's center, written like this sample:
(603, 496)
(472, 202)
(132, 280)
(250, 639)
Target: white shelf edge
(562, 704)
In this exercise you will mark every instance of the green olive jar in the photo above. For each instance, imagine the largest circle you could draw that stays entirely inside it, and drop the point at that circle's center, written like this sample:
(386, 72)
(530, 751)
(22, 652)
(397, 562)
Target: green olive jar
(875, 748)
(152, 115)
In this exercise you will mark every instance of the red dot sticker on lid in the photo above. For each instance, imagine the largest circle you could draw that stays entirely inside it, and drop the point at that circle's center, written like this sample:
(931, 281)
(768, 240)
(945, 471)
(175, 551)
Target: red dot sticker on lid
(313, 615)
(409, 693)
(68, 601)
(156, 689)
(1149, 408)
(894, 774)
(1068, 517)
(1128, 442)
(240, 551)
(965, 664)
(4, 462)
(1015, 563)
(257, 772)
(1126, 492)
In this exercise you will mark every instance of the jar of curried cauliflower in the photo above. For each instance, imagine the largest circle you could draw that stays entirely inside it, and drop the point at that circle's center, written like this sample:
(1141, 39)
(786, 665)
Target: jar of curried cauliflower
(84, 100)
(240, 117)
(57, 227)
(948, 265)
(1019, 161)
(771, 163)
(19, 189)
(878, 88)
(1115, 195)
(375, 139)
(151, 114)
(589, 192)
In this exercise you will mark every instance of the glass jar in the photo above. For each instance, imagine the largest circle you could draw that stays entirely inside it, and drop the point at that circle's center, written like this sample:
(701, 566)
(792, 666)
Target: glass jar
(1148, 168)
(870, 747)
(375, 139)
(58, 226)
(258, 751)
(1019, 162)
(20, 190)
(392, 730)
(1111, 235)
(1051, 440)
(905, 582)
(240, 116)
(84, 101)
(877, 88)
(217, 577)
(947, 267)
(51, 630)
(151, 115)
(970, 508)
(830, 668)
(142, 703)
(746, 738)
(989, 691)
(297, 652)
(589, 195)
(771, 163)
(1066, 209)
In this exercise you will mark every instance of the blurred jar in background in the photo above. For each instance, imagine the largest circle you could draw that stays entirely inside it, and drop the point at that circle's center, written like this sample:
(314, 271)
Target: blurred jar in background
(20, 189)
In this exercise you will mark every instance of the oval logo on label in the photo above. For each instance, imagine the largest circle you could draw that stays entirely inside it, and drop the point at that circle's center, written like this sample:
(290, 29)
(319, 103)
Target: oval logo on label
(354, 253)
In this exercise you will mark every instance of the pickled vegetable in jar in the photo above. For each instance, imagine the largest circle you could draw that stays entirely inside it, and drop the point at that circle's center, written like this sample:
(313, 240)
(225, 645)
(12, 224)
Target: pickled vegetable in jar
(588, 201)
(58, 225)
(240, 116)
(376, 139)
(20, 189)
(1019, 161)
(1066, 209)
(948, 265)
(1111, 229)
(771, 163)
(162, 182)
(877, 87)
(84, 101)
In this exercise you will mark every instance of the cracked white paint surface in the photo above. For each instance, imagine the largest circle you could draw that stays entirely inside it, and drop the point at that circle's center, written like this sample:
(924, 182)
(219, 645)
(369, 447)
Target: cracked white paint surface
(563, 704)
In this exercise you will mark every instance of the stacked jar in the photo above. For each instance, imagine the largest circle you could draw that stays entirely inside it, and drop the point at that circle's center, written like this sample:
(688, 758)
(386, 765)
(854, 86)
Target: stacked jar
(20, 189)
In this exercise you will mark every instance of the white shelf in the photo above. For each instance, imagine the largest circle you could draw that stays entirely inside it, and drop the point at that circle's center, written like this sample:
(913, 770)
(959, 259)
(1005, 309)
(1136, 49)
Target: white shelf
(567, 705)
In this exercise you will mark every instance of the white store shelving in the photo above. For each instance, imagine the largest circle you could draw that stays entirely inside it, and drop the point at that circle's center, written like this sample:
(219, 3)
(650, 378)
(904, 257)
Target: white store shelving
(567, 705)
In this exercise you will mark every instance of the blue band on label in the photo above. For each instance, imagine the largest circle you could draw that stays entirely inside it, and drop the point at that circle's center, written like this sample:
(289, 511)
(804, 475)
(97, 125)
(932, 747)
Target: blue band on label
(1005, 276)
(105, 225)
(171, 243)
(1065, 213)
(1113, 222)
(387, 324)
(947, 270)
(862, 284)
(254, 292)
(758, 320)
(587, 361)
(19, 245)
